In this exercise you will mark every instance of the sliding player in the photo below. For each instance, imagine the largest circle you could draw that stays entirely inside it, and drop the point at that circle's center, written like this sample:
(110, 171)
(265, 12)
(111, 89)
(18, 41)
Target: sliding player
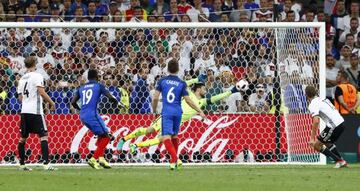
(325, 110)
(196, 95)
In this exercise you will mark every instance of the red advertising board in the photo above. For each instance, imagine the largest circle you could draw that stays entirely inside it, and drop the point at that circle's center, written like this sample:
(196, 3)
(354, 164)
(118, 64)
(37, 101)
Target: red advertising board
(216, 134)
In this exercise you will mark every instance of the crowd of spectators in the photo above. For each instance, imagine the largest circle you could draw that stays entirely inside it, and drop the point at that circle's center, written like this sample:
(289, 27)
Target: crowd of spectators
(131, 60)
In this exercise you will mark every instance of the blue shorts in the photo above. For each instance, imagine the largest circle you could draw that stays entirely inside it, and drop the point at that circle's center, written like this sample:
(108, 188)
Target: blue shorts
(95, 123)
(170, 124)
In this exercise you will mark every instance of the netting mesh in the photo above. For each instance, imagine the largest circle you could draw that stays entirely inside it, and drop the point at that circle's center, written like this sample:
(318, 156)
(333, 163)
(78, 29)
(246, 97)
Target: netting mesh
(240, 127)
(298, 57)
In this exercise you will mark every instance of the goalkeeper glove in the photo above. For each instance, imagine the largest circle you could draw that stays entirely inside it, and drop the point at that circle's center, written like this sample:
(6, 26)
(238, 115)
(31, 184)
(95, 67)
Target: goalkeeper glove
(202, 78)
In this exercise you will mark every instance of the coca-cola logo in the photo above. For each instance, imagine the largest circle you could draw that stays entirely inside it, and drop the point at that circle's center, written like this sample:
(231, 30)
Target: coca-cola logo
(209, 140)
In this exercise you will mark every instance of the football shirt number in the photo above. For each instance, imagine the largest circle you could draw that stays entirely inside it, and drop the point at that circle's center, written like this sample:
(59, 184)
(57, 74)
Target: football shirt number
(170, 95)
(87, 94)
(26, 92)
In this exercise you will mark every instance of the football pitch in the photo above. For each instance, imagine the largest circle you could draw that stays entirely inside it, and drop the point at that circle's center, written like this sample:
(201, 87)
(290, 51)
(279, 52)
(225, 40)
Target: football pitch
(194, 178)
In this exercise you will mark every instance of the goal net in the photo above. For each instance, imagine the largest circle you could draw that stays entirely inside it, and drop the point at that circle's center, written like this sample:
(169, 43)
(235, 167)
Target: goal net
(251, 126)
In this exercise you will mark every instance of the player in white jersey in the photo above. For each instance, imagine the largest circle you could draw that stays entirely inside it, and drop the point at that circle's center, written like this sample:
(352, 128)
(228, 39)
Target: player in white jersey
(323, 109)
(31, 93)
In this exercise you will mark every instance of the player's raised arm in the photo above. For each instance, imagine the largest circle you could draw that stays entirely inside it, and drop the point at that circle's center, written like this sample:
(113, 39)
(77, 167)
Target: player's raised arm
(201, 78)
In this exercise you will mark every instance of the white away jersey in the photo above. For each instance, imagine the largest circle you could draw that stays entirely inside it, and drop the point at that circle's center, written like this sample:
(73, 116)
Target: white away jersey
(326, 111)
(32, 102)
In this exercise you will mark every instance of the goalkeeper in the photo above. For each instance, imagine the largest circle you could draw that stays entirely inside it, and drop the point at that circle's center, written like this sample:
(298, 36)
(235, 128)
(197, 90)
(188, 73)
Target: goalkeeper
(196, 94)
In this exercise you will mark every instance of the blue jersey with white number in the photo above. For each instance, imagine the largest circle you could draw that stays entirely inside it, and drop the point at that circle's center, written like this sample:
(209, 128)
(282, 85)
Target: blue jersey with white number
(90, 94)
(172, 89)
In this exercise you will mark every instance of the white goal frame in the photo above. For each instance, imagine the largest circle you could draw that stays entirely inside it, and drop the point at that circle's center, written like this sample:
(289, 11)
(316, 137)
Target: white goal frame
(134, 25)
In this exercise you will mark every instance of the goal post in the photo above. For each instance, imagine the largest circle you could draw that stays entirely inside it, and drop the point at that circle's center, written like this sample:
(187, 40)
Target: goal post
(239, 129)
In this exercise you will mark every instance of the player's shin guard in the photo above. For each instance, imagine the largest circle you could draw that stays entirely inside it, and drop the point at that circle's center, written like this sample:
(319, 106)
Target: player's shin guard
(136, 133)
(324, 150)
(21, 150)
(175, 142)
(149, 143)
(45, 151)
(101, 143)
(333, 149)
(171, 150)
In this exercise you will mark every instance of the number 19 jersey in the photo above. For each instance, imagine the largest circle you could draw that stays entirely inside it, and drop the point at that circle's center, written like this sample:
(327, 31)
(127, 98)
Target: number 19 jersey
(90, 94)
(172, 89)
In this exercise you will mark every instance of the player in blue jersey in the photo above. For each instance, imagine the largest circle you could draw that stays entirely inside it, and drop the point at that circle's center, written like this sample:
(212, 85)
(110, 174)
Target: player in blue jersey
(90, 95)
(172, 89)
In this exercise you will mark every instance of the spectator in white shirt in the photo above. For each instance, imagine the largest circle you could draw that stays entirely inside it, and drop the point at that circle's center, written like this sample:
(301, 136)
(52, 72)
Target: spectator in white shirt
(350, 40)
(66, 36)
(264, 13)
(354, 29)
(195, 11)
(289, 14)
(219, 66)
(233, 101)
(257, 100)
(345, 54)
(103, 59)
(331, 73)
(205, 61)
(354, 13)
(16, 59)
(354, 71)
(159, 69)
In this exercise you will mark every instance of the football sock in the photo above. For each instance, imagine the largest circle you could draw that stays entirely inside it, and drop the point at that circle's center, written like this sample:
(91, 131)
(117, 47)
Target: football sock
(136, 133)
(324, 150)
(175, 142)
(101, 143)
(45, 151)
(149, 142)
(21, 150)
(334, 150)
(171, 150)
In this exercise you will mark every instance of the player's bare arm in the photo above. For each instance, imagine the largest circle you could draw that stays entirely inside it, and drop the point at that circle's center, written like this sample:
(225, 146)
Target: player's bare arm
(314, 128)
(46, 97)
(342, 103)
(155, 102)
(74, 101)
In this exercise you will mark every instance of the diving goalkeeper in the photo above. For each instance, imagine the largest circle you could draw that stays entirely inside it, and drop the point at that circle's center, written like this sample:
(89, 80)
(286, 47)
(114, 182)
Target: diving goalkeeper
(196, 94)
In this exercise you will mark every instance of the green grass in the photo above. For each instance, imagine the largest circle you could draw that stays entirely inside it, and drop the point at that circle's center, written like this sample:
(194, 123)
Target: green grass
(194, 178)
